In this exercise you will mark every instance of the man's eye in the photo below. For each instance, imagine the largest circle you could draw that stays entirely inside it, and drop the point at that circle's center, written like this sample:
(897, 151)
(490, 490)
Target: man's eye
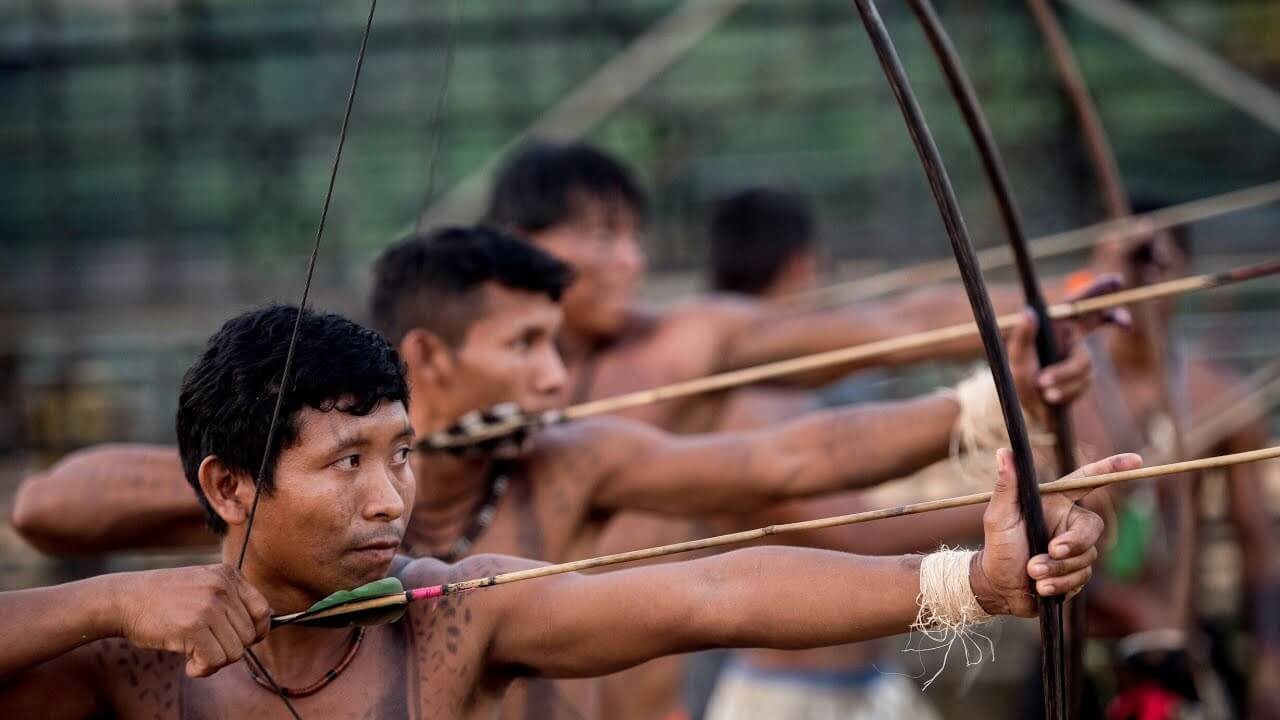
(402, 455)
(350, 462)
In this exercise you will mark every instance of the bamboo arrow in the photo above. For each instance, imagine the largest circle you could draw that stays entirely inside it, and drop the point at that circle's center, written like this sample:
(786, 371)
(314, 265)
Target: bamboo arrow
(378, 602)
(455, 438)
(1044, 247)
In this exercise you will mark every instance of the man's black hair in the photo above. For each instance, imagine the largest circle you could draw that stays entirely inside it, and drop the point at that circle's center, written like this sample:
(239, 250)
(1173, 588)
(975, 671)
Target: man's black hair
(545, 184)
(228, 395)
(435, 281)
(753, 234)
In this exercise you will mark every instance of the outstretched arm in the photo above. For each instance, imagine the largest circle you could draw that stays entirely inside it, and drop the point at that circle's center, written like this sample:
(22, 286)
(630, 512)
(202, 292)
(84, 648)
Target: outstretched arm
(822, 452)
(111, 497)
(778, 597)
(772, 333)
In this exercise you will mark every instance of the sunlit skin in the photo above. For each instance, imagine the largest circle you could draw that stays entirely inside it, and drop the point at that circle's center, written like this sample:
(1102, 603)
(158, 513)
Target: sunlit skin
(604, 244)
(612, 346)
(507, 355)
(346, 487)
(169, 643)
(572, 482)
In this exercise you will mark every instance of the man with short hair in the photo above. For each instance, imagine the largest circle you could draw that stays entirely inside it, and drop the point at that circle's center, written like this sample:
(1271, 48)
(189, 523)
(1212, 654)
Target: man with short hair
(474, 314)
(333, 509)
(762, 244)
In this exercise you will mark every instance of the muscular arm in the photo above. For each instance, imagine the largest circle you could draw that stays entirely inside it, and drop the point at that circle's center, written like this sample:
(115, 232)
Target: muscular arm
(111, 497)
(768, 334)
(726, 472)
(785, 598)
(777, 597)
(756, 407)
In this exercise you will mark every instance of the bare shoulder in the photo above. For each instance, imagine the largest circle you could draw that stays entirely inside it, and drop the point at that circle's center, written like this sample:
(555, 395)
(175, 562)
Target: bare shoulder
(717, 314)
(451, 638)
(461, 624)
(590, 447)
(426, 572)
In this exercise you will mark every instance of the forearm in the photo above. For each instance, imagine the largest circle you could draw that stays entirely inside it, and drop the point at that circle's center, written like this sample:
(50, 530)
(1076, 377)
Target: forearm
(45, 623)
(793, 598)
(109, 498)
(782, 335)
(824, 452)
(859, 446)
(775, 597)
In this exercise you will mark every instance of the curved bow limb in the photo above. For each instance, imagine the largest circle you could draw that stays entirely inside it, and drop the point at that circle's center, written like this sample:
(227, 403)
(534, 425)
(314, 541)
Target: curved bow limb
(1047, 349)
(975, 286)
(285, 373)
(1117, 203)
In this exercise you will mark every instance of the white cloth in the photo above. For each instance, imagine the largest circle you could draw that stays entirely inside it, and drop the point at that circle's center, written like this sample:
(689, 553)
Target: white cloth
(744, 693)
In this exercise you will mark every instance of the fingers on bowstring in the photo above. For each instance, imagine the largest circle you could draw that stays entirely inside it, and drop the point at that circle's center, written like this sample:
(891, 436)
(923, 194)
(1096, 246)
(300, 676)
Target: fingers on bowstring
(204, 654)
(255, 607)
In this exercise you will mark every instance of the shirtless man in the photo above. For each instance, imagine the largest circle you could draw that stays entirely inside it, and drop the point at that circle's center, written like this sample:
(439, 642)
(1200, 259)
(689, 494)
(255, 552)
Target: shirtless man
(762, 245)
(333, 511)
(584, 207)
(474, 314)
(1124, 411)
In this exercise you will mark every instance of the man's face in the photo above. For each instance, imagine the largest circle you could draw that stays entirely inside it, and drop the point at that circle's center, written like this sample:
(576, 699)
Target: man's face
(509, 354)
(603, 244)
(1156, 261)
(339, 507)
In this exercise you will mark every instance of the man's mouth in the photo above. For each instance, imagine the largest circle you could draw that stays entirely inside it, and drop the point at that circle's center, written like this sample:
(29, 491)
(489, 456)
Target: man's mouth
(384, 547)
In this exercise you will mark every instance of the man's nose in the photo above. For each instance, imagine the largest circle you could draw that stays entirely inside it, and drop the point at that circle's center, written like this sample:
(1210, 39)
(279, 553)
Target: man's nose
(552, 376)
(385, 500)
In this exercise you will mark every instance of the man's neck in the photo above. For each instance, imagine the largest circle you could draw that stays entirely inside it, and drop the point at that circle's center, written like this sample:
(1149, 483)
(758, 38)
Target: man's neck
(576, 346)
(450, 491)
(293, 655)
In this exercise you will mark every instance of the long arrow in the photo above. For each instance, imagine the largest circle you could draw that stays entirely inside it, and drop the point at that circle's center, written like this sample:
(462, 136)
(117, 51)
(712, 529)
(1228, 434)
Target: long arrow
(353, 611)
(465, 434)
(1060, 243)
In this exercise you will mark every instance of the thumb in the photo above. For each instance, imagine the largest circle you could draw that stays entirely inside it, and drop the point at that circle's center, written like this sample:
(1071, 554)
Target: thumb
(1004, 495)
(1021, 339)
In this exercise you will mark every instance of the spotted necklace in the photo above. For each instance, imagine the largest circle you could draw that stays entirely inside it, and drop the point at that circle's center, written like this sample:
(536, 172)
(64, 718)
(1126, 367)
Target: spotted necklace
(498, 485)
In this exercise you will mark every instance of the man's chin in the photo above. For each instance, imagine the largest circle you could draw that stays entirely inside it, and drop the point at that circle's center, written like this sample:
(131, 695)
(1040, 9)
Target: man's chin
(364, 567)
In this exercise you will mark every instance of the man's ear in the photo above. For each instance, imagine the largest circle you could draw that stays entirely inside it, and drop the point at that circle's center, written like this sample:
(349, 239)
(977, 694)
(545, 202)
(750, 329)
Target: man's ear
(230, 492)
(427, 358)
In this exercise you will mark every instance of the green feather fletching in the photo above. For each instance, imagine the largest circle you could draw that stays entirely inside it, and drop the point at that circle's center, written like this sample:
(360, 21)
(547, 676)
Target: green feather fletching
(377, 588)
